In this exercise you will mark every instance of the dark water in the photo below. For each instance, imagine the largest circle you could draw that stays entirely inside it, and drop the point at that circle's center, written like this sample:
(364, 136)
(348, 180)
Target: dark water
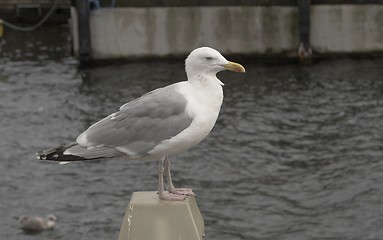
(296, 153)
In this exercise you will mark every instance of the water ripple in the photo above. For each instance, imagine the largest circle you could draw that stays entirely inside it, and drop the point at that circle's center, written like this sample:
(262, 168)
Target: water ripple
(295, 154)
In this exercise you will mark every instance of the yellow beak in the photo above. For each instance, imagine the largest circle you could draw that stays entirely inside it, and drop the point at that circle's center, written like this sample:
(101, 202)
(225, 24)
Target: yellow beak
(235, 67)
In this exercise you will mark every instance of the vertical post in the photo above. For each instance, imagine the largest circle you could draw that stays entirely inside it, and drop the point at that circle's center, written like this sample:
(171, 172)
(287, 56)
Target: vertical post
(1, 28)
(82, 7)
(304, 50)
(148, 217)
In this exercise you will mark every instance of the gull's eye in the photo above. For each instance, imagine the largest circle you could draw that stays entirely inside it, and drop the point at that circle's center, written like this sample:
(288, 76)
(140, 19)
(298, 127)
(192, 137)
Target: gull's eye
(209, 58)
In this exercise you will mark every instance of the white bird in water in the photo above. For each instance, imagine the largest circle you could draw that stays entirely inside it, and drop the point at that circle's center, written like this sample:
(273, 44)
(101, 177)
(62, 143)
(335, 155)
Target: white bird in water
(159, 124)
(37, 224)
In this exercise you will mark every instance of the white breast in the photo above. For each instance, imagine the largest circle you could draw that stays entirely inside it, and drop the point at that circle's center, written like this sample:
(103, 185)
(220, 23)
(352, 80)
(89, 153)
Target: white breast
(204, 103)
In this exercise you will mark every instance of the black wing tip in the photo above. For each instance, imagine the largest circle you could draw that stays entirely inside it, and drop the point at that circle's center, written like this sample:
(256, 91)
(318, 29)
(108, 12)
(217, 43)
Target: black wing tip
(40, 156)
(57, 154)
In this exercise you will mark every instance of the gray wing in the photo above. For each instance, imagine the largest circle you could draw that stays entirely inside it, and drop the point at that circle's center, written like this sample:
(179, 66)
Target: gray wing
(141, 124)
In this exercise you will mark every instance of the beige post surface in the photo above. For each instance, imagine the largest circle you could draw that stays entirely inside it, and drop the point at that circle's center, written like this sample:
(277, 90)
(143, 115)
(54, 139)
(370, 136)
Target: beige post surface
(149, 218)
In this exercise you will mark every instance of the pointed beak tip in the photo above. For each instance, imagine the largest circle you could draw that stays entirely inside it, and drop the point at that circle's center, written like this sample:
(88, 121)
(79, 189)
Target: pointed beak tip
(235, 67)
(241, 70)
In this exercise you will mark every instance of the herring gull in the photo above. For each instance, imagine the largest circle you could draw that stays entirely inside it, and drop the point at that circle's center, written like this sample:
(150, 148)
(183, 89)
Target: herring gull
(159, 124)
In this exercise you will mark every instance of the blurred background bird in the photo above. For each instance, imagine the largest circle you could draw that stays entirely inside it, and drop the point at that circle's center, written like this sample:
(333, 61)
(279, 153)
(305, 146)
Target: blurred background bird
(36, 223)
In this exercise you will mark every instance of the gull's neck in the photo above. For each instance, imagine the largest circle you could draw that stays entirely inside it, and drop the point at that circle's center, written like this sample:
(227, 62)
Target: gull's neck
(204, 79)
(208, 90)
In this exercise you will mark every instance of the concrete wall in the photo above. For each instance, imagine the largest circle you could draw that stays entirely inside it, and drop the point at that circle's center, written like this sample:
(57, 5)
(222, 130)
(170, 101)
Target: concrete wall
(347, 28)
(267, 30)
(137, 32)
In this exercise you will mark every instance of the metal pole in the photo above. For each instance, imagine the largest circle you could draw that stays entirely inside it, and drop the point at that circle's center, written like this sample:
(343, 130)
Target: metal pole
(304, 50)
(85, 51)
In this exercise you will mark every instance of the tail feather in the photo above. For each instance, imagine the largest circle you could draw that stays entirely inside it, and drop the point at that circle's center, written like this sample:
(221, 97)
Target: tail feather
(75, 152)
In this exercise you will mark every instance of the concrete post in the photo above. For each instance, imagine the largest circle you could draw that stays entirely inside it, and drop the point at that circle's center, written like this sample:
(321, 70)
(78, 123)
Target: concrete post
(149, 218)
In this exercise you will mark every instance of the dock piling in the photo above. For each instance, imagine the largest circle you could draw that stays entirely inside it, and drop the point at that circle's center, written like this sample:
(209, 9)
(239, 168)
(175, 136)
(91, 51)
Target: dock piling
(304, 49)
(82, 9)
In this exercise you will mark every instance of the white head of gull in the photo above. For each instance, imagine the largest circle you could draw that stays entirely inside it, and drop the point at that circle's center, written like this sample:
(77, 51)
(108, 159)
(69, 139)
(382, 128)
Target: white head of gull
(159, 124)
(37, 224)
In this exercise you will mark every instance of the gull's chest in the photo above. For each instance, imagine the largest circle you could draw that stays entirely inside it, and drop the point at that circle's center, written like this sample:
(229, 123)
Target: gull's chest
(203, 108)
(203, 99)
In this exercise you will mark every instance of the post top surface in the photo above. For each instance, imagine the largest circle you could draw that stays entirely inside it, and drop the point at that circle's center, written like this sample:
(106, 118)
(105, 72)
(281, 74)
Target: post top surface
(152, 198)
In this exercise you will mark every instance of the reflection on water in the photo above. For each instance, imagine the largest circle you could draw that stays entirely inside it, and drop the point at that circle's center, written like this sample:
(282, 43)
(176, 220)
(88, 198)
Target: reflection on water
(296, 152)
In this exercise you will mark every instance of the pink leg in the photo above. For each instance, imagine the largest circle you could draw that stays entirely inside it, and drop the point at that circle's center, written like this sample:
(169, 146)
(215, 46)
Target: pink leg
(162, 194)
(171, 188)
